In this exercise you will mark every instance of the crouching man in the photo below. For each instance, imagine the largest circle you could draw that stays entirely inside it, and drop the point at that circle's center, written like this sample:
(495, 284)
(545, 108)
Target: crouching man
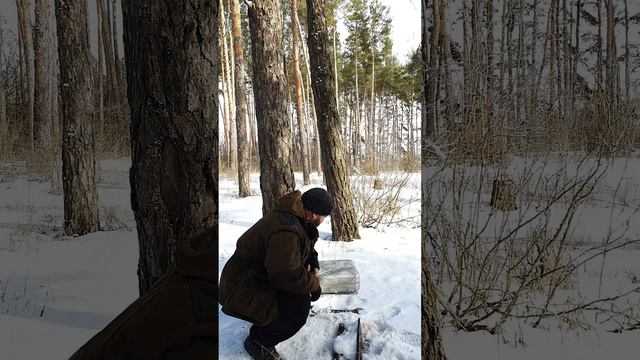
(272, 277)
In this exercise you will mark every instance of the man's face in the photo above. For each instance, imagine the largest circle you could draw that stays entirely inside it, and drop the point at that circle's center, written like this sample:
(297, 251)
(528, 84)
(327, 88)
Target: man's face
(316, 219)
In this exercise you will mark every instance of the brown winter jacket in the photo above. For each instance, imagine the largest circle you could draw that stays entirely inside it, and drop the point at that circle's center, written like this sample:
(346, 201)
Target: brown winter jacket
(272, 255)
(176, 319)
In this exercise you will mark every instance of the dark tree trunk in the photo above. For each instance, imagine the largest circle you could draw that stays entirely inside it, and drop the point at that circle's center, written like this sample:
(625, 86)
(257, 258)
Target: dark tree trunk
(613, 75)
(432, 348)
(26, 61)
(4, 124)
(244, 189)
(78, 162)
(274, 135)
(100, 86)
(112, 100)
(171, 55)
(427, 120)
(116, 56)
(431, 80)
(431, 340)
(42, 98)
(343, 219)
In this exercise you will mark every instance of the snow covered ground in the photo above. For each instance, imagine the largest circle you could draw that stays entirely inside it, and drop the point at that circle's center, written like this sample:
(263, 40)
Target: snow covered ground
(608, 218)
(57, 292)
(388, 260)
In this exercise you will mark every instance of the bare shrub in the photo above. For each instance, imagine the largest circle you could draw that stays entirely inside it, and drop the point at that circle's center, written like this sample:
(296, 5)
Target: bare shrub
(111, 220)
(492, 266)
(615, 130)
(384, 207)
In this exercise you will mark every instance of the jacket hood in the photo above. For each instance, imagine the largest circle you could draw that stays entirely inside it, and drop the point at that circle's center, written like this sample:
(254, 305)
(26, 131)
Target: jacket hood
(292, 204)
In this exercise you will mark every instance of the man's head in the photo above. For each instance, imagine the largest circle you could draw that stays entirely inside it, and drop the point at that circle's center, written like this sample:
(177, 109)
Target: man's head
(318, 204)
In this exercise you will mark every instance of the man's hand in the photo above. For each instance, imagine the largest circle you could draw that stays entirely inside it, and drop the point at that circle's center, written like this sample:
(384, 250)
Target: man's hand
(316, 294)
(314, 271)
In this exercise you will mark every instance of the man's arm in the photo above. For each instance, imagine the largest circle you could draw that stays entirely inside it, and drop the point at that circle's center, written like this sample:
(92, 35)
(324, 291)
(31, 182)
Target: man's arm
(285, 267)
(313, 263)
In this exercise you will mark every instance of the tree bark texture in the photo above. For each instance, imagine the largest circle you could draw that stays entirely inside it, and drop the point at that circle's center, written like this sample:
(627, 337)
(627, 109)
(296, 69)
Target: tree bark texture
(78, 162)
(116, 56)
(100, 86)
(613, 75)
(432, 348)
(343, 218)
(297, 75)
(431, 89)
(112, 98)
(26, 61)
(4, 124)
(227, 89)
(274, 135)
(171, 66)
(244, 189)
(42, 121)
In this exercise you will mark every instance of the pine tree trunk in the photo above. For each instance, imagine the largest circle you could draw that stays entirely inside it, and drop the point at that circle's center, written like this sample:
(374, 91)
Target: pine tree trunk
(274, 136)
(566, 51)
(112, 100)
(356, 125)
(100, 140)
(576, 58)
(431, 72)
(426, 123)
(311, 102)
(122, 96)
(343, 218)
(533, 101)
(372, 117)
(521, 68)
(612, 56)
(432, 348)
(627, 53)
(56, 176)
(78, 162)
(26, 63)
(228, 89)
(4, 124)
(174, 114)
(552, 52)
(557, 75)
(42, 96)
(489, 48)
(335, 66)
(244, 189)
(600, 61)
(297, 76)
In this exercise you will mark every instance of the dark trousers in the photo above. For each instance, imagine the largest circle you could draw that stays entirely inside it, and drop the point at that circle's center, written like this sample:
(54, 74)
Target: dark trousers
(293, 310)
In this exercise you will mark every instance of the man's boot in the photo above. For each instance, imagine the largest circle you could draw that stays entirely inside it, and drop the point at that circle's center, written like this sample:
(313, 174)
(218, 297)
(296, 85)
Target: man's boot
(259, 351)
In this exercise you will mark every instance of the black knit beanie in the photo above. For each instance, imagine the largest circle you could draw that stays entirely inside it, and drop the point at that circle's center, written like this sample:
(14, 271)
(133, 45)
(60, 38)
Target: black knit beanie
(318, 200)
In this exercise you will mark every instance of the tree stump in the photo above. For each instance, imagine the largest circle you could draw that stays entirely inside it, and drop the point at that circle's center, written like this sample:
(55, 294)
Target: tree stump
(377, 184)
(503, 195)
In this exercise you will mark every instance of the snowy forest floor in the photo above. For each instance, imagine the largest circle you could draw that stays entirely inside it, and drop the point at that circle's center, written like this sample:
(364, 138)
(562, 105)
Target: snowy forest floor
(605, 219)
(57, 292)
